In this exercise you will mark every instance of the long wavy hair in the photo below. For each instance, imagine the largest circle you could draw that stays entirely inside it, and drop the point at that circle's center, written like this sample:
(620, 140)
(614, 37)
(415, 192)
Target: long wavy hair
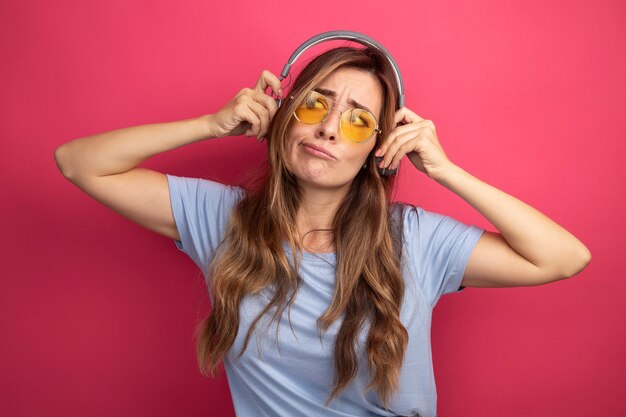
(369, 285)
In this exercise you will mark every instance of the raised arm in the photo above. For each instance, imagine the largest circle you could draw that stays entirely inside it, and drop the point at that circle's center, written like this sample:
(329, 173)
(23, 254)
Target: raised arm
(104, 165)
(528, 249)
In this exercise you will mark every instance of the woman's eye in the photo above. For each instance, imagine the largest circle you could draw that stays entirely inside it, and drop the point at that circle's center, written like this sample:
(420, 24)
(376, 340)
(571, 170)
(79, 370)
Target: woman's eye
(315, 102)
(357, 120)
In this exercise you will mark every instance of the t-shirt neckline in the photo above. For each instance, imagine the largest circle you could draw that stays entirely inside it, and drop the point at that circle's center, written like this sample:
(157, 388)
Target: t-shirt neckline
(311, 256)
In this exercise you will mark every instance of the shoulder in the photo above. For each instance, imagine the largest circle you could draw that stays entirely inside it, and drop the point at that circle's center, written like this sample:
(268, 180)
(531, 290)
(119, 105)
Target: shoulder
(408, 214)
(204, 189)
(420, 226)
(413, 215)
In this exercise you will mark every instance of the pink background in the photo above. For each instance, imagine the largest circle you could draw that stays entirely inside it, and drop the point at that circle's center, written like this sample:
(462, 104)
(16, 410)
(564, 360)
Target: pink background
(97, 313)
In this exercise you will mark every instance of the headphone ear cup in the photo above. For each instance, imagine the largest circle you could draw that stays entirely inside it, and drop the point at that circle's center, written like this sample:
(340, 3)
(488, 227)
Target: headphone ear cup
(384, 172)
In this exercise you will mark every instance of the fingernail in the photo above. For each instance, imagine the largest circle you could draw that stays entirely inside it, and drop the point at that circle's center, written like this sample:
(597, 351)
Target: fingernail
(280, 92)
(378, 152)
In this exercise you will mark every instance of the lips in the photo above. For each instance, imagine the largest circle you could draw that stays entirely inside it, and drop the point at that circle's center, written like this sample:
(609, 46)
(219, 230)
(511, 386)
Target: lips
(319, 149)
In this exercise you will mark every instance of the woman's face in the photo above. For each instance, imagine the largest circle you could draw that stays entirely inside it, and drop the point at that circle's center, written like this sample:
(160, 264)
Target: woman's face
(317, 169)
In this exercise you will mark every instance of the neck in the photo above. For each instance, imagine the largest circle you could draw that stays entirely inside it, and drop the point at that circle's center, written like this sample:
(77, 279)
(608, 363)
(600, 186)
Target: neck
(317, 211)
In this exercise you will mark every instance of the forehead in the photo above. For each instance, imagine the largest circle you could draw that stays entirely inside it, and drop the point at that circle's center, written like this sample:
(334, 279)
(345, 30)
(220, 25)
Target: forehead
(354, 84)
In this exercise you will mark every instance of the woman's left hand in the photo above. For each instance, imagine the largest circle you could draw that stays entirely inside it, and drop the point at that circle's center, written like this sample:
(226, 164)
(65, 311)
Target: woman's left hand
(416, 138)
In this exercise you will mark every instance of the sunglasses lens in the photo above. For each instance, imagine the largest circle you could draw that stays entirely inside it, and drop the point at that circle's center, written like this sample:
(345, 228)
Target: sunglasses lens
(357, 125)
(313, 109)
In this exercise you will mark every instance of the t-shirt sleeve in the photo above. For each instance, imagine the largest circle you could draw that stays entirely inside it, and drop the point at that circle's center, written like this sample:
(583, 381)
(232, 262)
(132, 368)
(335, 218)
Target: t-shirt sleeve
(201, 211)
(439, 247)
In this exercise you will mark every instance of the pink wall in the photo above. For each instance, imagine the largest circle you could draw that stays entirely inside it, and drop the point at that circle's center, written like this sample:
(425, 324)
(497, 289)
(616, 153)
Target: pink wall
(97, 313)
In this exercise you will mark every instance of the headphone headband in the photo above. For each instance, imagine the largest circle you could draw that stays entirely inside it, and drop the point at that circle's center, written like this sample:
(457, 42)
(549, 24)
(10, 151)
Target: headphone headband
(352, 36)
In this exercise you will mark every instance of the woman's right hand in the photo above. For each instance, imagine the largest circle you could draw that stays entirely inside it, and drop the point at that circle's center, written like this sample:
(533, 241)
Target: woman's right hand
(250, 111)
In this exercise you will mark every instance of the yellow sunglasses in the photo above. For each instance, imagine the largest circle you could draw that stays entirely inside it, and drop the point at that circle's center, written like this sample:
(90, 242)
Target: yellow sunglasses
(357, 125)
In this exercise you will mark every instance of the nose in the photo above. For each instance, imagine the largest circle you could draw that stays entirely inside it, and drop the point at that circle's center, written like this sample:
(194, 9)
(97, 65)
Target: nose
(329, 128)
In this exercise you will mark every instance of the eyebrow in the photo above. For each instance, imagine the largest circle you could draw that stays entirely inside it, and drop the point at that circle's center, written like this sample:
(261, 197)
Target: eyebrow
(332, 94)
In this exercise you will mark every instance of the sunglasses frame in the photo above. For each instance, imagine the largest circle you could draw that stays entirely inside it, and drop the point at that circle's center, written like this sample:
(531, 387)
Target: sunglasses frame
(341, 113)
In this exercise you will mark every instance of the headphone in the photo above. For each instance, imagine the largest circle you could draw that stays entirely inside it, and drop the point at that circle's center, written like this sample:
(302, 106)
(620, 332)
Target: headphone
(359, 38)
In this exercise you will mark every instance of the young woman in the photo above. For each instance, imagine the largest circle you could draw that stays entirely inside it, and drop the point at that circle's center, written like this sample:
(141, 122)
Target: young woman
(343, 327)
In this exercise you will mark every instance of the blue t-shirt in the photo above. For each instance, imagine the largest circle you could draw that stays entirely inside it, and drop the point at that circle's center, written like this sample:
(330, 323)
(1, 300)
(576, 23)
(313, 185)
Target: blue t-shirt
(295, 377)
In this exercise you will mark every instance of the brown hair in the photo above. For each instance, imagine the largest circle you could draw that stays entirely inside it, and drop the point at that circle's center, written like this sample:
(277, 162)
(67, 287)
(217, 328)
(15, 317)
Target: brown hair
(369, 284)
